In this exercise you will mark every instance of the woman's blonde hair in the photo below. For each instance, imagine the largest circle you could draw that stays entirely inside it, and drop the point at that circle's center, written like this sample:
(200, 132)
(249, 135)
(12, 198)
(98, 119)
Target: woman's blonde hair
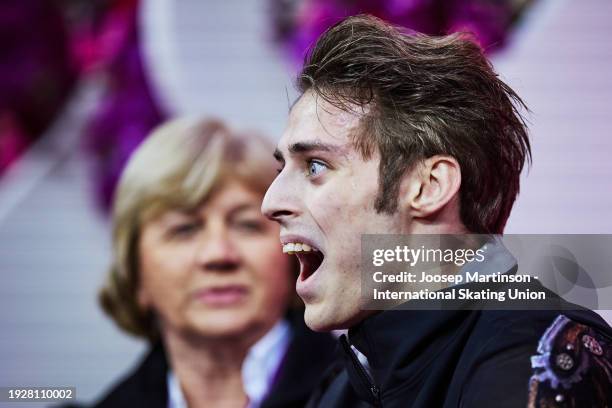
(178, 166)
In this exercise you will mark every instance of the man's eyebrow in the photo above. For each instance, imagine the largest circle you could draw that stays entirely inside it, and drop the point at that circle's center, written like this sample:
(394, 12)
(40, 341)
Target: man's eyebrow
(308, 147)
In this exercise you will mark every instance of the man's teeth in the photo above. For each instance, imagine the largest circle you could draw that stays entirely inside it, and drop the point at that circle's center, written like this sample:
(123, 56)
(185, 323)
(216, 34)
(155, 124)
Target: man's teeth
(294, 247)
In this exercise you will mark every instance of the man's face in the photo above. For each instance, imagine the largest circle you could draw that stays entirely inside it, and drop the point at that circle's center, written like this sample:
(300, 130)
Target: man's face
(324, 197)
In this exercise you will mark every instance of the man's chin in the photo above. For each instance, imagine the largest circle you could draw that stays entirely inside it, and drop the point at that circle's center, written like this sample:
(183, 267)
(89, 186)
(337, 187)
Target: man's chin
(317, 319)
(325, 319)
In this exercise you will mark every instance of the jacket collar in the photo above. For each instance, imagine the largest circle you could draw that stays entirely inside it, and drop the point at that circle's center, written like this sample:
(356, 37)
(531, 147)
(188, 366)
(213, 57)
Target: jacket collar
(401, 344)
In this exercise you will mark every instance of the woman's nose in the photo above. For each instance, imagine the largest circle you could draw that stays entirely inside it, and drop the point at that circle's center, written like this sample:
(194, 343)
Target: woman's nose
(218, 252)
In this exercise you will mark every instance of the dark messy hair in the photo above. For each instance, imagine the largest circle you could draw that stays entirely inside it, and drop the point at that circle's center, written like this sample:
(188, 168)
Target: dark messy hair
(425, 96)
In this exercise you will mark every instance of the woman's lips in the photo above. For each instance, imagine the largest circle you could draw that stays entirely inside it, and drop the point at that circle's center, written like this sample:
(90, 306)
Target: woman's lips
(222, 295)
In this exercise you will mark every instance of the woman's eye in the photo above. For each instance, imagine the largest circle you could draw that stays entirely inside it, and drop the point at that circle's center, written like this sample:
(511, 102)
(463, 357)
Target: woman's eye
(184, 230)
(250, 225)
(315, 168)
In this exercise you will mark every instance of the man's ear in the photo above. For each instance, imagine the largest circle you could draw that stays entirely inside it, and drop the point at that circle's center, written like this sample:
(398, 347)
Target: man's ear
(430, 186)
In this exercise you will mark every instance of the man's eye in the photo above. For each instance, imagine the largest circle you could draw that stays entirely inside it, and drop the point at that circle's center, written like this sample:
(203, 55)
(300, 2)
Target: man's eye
(315, 168)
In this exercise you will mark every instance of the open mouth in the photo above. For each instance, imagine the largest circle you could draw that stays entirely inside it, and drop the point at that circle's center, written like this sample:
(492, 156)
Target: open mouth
(310, 257)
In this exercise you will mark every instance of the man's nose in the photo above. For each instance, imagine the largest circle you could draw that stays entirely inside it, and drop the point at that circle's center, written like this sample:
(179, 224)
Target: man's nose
(280, 202)
(218, 252)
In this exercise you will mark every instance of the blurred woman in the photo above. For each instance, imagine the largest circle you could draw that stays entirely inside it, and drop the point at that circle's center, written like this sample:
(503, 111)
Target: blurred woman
(198, 271)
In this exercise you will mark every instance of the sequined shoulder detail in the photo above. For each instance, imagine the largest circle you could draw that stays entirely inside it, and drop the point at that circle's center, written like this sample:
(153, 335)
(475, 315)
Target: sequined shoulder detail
(573, 367)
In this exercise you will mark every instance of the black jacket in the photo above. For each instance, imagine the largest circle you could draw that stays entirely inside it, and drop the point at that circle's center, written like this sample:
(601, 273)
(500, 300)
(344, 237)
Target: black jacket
(471, 358)
(308, 356)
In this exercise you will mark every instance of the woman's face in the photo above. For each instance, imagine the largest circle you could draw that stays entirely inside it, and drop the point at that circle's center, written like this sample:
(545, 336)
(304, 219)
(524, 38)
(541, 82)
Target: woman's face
(217, 272)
